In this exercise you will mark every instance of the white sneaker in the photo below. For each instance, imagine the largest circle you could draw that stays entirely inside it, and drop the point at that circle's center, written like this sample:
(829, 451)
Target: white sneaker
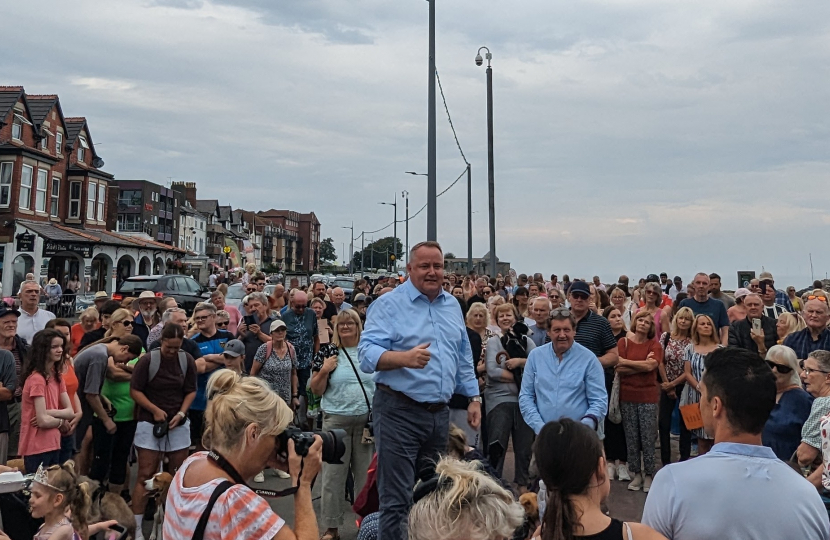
(637, 483)
(259, 478)
(646, 483)
(281, 474)
(610, 471)
(622, 473)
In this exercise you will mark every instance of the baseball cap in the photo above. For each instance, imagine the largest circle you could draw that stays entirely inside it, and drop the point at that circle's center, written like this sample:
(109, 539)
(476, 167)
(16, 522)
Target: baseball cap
(234, 348)
(580, 287)
(277, 324)
(765, 276)
(740, 293)
(6, 310)
(652, 278)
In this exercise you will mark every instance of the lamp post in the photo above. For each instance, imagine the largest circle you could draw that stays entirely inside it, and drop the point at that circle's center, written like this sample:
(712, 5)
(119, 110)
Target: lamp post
(405, 195)
(490, 181)
(432, 186)
(351, 249)
(394, 205)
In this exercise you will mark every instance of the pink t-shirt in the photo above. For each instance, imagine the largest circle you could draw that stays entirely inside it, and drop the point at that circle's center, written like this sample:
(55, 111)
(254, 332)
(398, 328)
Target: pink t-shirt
(234, 317)
(35, 440)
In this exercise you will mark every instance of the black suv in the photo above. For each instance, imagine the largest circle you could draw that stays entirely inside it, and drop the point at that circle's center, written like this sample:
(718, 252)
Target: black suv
(184, 289)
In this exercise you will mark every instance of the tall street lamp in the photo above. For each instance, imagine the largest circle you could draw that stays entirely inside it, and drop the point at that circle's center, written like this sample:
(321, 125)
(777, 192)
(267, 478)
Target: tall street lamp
(405, 195)
(490, 181)
(394, 205)
(432, 186)
(351, 248)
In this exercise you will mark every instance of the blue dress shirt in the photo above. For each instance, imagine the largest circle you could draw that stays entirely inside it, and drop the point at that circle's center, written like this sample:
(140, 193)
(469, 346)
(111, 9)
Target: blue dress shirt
(573, 388)
(405, 318)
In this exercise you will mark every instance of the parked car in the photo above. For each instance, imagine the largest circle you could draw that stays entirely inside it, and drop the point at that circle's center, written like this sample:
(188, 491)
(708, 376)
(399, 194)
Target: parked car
(186, 290)
(235, 295)
(345, 283)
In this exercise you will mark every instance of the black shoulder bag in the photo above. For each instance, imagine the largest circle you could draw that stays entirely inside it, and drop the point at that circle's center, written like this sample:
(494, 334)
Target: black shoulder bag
(368, 429)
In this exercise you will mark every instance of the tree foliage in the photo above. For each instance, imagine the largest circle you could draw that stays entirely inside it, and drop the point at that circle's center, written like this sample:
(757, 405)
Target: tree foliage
(378, 254)
(327, 252)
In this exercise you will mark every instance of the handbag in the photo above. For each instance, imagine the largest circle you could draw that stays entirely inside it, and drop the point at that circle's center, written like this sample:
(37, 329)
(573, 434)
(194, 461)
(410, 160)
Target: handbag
(368, 429)
(614, 411)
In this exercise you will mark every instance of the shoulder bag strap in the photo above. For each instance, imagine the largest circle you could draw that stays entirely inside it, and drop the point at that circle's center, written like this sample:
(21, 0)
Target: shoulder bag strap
(628, 534)
(155, 364)
(365, 395)
(199, 533)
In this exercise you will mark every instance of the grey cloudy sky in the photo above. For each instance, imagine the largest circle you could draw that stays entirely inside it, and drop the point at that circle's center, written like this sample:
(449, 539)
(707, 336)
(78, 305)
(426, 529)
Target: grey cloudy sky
(630, 136)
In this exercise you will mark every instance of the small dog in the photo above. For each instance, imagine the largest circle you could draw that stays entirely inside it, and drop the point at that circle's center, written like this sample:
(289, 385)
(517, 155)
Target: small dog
(157, 487)
(108, 506)
(530, 503)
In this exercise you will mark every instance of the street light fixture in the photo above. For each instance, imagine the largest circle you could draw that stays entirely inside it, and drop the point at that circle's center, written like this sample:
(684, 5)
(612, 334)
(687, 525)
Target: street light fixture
(351, 248)
(394, 204)
(490, 181)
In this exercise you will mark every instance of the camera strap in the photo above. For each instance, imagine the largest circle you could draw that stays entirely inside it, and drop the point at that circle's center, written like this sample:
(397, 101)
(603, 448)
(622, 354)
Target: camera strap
(237, 478)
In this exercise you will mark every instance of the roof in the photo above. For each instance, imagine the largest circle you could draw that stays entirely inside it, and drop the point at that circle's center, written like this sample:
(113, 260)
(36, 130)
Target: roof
(207, 206)
(40, 105)
(9, 95)
(225, 213)
(74, 125)
(61, 233)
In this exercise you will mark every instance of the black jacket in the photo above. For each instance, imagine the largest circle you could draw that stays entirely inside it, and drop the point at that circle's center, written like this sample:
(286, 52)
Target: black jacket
(739, 334)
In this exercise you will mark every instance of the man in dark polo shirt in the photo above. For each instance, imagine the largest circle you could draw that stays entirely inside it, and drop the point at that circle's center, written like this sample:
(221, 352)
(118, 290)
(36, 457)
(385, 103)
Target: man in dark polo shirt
(701, 304)
(592, 331)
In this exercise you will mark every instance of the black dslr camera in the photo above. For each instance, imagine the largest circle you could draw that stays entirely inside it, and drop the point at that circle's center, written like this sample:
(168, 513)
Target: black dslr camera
(333, 443)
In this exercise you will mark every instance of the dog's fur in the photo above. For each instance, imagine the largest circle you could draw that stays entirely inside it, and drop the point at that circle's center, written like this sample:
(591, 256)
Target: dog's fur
(107, 506)
(18, 464)
(531, 505)
(157, 487)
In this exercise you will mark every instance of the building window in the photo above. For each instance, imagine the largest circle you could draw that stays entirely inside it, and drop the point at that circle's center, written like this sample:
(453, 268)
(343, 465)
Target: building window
(56, 194)
(40, 194)
(74, 200)
(44, 143)
(82, 148)
(129, 222)
(129, 197)
(90, 201)
(58, 143)
(17, 130)
(102, 197)
(26, 187)
(6, 183)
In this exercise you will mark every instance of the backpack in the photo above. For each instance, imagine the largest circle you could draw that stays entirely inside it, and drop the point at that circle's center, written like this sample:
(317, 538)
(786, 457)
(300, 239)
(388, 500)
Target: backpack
(155, 363)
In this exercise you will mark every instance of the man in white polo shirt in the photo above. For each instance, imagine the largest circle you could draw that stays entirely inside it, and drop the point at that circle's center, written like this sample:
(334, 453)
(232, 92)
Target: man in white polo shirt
(32, 319)
(739, 489)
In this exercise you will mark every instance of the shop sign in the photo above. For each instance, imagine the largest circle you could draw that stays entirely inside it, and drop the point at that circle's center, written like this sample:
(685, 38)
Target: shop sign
(25, 242)
(52, 248)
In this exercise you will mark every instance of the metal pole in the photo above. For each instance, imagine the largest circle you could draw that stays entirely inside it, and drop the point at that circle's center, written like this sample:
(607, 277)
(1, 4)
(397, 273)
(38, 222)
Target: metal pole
(491, 188)
(351, 253)
(362, 250)
(432, 186)
(469, 218)
(395, 231)
(406, 194)
(372, 255)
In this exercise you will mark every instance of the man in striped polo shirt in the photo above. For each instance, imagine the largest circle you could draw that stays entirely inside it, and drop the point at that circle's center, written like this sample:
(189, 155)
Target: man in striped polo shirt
(592, 331)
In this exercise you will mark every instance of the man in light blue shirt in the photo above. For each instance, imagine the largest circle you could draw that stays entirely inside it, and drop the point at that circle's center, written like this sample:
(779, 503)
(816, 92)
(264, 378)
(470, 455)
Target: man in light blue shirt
(562, 379)
(416, 344)
(739, 489)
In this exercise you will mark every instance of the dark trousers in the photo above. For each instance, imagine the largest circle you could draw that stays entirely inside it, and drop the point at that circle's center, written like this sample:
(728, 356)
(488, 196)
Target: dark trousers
(409, 440)
(614, 442)
(505, 420)
(36, 460)
(667, 406)
(111, 451)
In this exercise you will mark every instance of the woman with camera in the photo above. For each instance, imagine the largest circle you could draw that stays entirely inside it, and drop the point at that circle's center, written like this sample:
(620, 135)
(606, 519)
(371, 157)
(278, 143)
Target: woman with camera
(501, 395)
(347, 393)
(163, 386)
(242, 422)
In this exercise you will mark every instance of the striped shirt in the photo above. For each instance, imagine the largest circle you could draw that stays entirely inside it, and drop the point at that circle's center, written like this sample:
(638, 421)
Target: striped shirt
(594, 333)
(238, 513)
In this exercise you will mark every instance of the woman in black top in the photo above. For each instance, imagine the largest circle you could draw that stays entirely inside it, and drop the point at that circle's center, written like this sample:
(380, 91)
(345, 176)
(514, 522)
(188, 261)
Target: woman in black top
(572, 467)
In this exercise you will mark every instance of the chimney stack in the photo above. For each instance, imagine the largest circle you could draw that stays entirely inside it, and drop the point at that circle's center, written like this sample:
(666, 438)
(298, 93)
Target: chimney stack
(188, 189)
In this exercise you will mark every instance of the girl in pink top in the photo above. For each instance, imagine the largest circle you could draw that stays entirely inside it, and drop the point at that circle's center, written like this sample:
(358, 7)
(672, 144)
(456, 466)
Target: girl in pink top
(45, 405)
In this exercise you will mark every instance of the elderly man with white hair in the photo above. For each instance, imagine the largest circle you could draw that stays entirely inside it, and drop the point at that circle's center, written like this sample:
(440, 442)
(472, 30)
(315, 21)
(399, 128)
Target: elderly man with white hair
(338, 298)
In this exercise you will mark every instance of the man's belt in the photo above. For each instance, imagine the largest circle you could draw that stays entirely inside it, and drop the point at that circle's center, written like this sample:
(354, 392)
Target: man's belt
(429, 407)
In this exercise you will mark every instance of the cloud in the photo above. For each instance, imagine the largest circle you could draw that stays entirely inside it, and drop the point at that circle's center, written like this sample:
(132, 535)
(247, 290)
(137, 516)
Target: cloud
(629, 137)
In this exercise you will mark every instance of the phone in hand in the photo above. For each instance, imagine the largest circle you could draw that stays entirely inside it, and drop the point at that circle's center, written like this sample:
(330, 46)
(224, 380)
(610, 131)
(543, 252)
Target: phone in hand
(115, 532)
(763, 287)
(756, 324)
(249, 320)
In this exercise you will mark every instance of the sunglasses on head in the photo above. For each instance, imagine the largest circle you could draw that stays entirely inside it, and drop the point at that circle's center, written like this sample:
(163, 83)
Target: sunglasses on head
(780, 368)
(813, 297)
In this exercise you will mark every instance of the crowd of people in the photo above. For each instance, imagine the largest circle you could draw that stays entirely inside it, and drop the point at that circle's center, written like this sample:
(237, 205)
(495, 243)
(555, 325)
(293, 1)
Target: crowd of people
(432, 377)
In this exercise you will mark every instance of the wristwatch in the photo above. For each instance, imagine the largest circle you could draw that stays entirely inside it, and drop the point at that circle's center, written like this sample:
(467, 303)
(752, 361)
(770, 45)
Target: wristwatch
(182, 414)
(475, 399)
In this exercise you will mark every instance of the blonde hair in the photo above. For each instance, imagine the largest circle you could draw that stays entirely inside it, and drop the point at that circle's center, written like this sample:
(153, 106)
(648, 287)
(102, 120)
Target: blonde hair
(118, 315)
(795, 322)
(696, 335)
(476, 307)
(316, 300)
(469, 505)
(685, 312)
(90, 313)
(234, 403)
(346, 314)
(505, 308)
(644, 315)
(63, 479)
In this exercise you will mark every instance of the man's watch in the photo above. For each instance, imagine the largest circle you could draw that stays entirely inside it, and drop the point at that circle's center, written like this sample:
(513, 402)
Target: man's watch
(475, 399)
(182, 414)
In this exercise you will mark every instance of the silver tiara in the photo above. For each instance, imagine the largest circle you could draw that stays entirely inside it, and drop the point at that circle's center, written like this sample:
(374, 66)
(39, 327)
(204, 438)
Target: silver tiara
(43, 479)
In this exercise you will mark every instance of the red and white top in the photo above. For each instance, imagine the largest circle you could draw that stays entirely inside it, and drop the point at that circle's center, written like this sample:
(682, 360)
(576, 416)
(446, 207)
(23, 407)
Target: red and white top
(238, 513)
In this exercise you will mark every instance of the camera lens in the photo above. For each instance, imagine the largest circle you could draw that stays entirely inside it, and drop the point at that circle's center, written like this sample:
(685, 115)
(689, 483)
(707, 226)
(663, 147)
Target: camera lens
(333, 445)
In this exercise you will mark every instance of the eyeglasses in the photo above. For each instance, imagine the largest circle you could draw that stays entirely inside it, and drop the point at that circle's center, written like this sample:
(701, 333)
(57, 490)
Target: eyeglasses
(222, 324)
(580, 296)
(126, 322)
(780, 368)
(651, 292)
(250, 289)
(201, 319)
(347, 324)
(560, 312)
(809, 371)
(299, 307)
(812, 297)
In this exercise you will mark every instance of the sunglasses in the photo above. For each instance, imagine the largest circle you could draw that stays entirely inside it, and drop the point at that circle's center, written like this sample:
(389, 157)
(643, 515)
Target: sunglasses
(812, 297)
(223, 324)
(250, 289)
(780, 368)
(560, 312)
(580, 296)
(126, 323)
